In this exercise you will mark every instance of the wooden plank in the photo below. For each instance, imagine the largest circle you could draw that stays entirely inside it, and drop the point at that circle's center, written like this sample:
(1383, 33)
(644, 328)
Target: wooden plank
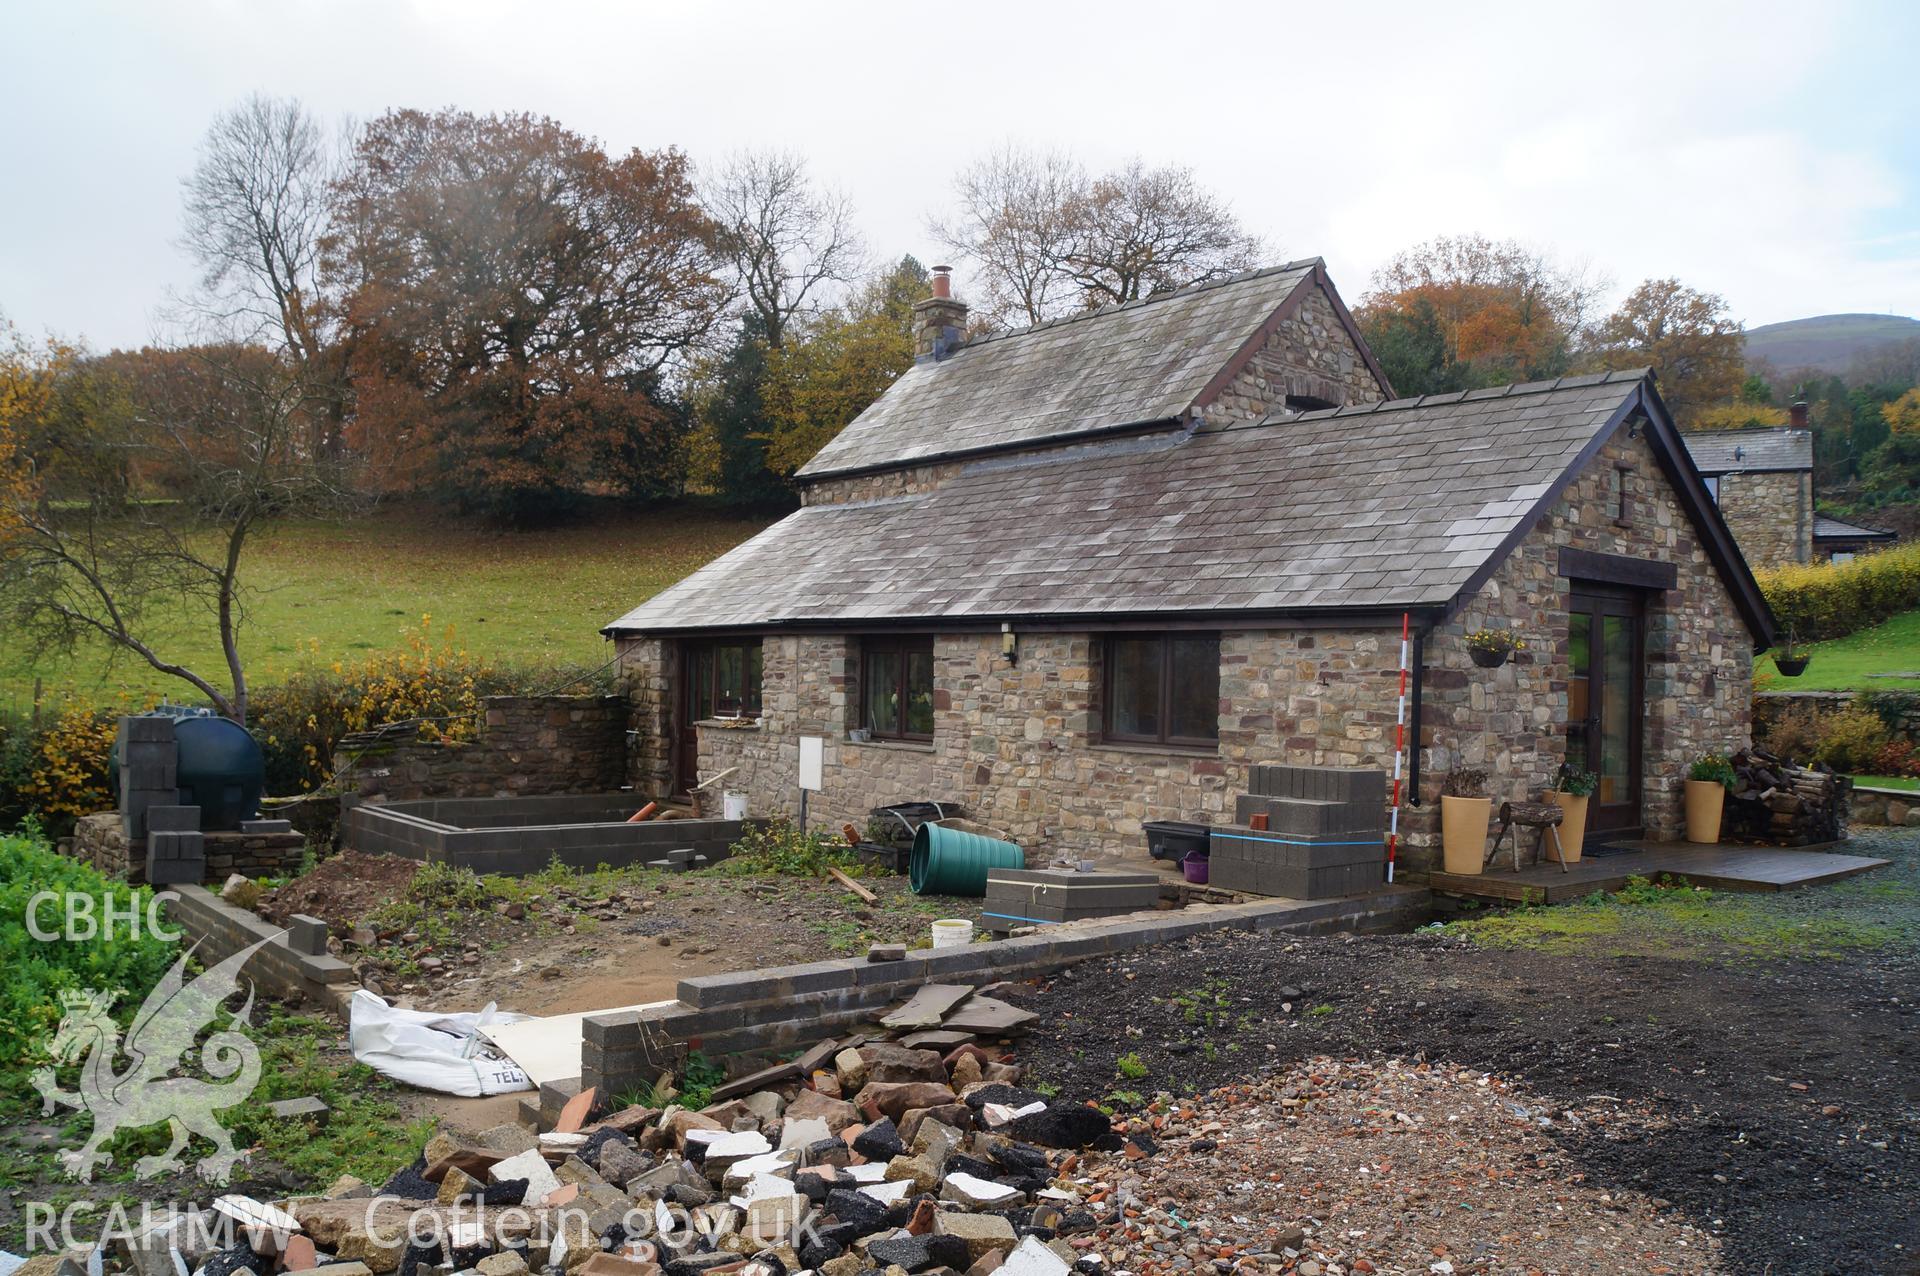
(853, 886)
(928, 1006)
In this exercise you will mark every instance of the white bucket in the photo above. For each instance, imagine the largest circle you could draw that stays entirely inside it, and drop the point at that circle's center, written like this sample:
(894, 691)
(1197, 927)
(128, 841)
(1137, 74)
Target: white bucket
(733, 806)
(950, 932)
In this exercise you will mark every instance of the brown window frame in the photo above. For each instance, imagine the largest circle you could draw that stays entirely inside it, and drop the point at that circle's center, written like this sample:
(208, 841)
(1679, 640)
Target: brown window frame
(752, 698)
(1166, 640)
(902, 645)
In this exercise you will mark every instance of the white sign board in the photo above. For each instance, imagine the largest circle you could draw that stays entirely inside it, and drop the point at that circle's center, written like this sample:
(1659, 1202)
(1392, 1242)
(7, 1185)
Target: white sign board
(813, 754)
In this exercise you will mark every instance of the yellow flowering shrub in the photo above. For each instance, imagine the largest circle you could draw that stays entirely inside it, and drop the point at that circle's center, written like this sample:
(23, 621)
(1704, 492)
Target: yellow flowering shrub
(68, 764)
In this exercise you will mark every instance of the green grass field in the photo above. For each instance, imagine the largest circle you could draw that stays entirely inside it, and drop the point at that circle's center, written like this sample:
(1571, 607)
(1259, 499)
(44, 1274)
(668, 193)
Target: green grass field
(1859, 662)
(330, 592)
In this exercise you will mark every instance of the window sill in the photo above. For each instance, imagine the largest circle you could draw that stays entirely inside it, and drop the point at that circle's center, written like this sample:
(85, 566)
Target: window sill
(730, 724)
(903, 746)
(1158, 750)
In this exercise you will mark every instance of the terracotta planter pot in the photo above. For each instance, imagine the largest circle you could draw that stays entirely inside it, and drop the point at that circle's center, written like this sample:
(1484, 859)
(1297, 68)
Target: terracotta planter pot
(1705, 800)
(1573, 829)
(1463, 833)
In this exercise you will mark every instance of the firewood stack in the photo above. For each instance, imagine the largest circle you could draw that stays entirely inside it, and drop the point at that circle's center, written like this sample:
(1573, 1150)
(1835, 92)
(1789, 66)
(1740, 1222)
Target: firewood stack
(1783, 804)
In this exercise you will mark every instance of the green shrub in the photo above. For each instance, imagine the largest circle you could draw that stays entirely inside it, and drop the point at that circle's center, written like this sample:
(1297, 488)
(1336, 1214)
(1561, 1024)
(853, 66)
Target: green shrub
(1830, 600)
(779, 847)
(1851, 739)
(37, 971)
(1714, 767)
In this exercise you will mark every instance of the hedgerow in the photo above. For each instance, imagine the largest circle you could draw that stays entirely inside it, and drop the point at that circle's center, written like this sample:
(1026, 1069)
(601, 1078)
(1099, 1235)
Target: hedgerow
(1831, 600)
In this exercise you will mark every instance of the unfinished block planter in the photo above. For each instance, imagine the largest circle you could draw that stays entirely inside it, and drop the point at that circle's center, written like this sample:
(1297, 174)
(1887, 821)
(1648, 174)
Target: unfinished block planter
(1573, 829)
(1463, 833)
(1706, 799)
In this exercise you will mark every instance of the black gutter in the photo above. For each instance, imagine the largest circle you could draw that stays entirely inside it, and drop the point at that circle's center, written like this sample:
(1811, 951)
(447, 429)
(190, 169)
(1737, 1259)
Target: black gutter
(1379, 616)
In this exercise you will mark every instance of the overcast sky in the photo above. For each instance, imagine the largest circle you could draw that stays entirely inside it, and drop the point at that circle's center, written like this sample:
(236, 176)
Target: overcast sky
(1770, 153)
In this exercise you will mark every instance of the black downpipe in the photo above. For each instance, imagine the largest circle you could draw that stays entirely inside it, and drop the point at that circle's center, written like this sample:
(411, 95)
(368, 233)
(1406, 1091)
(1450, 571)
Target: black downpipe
(1413, 718)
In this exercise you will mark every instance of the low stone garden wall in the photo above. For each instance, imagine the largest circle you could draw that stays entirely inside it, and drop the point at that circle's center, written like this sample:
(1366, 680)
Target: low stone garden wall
(1886, 808)
(526, 745)
(100, 840)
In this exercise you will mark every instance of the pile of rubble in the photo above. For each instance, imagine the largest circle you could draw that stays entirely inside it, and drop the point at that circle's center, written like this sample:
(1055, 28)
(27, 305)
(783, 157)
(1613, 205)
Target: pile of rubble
(910, 1151)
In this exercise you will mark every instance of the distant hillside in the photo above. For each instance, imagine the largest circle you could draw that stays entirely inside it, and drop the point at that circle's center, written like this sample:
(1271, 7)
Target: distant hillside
(1826, 342)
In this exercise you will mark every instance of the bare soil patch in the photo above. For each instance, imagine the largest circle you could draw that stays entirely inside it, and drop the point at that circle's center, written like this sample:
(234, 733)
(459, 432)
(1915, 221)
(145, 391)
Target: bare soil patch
(1773, 1102)
(556, 945)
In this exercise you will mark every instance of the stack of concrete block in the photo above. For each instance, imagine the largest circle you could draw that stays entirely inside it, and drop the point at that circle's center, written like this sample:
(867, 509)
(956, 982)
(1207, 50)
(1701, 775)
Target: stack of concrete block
(1026, 896)
(149, 771)
(176, 848)
(1325, 834)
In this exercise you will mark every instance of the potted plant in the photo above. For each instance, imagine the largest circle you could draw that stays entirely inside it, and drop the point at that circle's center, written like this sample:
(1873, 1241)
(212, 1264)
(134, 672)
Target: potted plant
(1465, 813)
(1491, 648)
(1790, 660)
(1709, 780)
(1572, 786)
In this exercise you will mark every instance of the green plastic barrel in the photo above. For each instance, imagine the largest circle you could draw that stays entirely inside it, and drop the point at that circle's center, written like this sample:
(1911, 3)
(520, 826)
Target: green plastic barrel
(949, 862)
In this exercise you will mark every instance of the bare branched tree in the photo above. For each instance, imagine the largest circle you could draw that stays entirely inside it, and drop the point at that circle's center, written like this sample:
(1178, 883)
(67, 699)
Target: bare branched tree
(222, 431)
(791, 242)
(1140, 230)
(1013, 225)
(1044, 239)
(256, 211)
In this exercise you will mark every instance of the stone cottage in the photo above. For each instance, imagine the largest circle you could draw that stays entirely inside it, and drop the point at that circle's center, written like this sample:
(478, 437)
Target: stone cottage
(1082, 576)
(1762, 480)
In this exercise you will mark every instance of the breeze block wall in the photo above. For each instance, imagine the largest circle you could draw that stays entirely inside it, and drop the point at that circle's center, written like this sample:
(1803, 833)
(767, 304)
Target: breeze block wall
(526, 745)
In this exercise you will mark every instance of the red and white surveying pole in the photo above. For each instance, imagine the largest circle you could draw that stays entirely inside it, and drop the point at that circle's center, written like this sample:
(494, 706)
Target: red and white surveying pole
(1399, 746)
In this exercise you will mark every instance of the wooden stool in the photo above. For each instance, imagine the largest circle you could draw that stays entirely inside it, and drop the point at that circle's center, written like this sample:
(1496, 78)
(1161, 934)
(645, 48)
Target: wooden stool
(1544, 816)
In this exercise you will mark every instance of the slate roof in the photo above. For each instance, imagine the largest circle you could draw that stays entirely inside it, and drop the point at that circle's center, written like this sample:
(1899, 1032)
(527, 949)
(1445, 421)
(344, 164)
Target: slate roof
(1380, 506)
(1132, 364)
(1733, 451)
(1832, 528)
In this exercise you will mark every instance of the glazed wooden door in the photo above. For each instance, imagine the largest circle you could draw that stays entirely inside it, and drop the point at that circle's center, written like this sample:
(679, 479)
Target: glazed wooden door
(1606, 710)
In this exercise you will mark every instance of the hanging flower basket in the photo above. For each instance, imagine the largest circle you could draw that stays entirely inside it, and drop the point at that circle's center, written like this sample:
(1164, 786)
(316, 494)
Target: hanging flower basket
(1491, 648)
(1791, 666)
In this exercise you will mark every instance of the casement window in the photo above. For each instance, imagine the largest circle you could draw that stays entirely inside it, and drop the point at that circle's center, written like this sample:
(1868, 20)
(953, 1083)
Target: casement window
(896, 687)
(1162, 689)
(723, 679)
(1713, 487)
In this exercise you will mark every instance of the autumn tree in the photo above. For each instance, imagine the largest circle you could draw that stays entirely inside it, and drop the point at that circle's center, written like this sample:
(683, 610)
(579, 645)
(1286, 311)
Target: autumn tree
(1045, 238)
(1903, 414)
(1463, 312)
(789, 241)
(513, 295)
(826, 376)
(219, 432)
(27, 378)
(1697, 349)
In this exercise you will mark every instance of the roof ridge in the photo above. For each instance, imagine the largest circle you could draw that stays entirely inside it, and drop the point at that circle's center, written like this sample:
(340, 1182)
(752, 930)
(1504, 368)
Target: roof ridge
(1185, 290)
(1449, 397)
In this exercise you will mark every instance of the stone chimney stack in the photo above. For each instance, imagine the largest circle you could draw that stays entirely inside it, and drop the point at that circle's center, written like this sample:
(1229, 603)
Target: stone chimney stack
(1797, 415)
(939, 322)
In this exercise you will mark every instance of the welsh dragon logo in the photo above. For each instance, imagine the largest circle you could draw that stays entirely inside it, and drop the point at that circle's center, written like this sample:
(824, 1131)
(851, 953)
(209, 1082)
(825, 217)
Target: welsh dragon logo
(143, 1094)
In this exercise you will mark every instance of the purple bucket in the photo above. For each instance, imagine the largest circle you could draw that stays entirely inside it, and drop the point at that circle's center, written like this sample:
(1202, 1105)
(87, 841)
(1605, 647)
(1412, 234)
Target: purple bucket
(1195, 867)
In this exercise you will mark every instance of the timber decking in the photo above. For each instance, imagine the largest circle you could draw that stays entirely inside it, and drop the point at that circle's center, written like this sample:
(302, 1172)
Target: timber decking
(1727, 868)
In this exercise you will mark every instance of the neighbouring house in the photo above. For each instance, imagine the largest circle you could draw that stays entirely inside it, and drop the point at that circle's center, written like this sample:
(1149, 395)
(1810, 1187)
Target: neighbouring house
(1838, 542)
(1082, 576)
(1762, 479)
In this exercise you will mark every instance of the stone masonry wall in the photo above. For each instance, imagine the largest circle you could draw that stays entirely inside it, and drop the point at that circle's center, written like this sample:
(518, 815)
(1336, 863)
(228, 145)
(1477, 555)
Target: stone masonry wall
(1018, 745)
(1308, 353)
(526, 745)
(100, 840)
(1770, 514)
